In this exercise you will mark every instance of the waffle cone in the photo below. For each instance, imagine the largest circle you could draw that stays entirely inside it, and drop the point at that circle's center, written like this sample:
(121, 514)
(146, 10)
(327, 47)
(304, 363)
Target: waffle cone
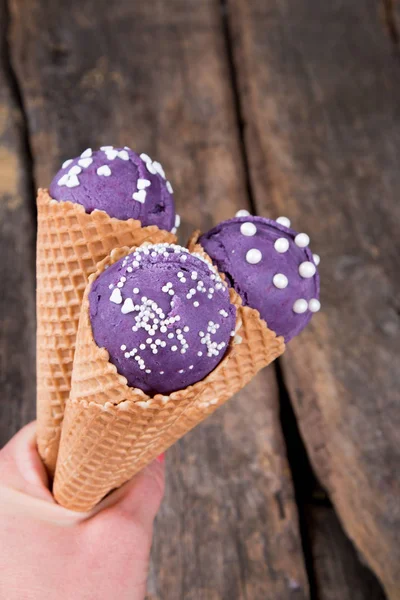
(70, 243)
(111, 431)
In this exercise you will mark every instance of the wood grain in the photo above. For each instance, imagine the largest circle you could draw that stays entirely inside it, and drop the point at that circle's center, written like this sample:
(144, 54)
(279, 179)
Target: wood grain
(155, 76)
(339, 574)
(320, 97)
(17, 308)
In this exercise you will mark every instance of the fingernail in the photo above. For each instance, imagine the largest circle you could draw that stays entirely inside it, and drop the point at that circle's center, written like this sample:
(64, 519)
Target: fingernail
(161, 458)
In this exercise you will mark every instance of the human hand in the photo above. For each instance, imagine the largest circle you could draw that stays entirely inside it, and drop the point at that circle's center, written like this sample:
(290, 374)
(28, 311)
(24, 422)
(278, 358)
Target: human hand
(47, 552)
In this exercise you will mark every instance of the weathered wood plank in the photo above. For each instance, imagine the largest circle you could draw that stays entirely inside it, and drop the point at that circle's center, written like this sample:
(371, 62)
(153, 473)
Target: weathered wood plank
(320, 96)
(339, 575)
(17, 308)
(155, 76)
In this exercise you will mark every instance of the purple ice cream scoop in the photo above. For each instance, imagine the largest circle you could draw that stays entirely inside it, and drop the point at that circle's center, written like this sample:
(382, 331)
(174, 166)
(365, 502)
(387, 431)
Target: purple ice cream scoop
(121, 183)
(271, 268)
(164, 316)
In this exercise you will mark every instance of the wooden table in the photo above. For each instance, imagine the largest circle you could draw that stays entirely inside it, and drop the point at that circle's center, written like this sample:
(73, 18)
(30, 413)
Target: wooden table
(287, 107)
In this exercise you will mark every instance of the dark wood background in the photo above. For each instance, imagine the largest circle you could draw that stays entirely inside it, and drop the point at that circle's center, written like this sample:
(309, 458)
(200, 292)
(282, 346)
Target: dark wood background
(291, 491)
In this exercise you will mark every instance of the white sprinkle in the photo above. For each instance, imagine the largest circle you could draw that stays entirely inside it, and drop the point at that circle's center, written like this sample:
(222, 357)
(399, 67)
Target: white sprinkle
(116, 296)
(169, 187)
(72, 181)
(149, 340)
(314, 305)
(307, 269)
(194, 275)
(136, 290)
(85, 162)
(301, 240)
(123, 347)
(173, 230)
(186, 329)
(127, 307)
(191, 367)
(161, 372)
(135, 263)
(123, 155)
(143, 183)
(87, 153)
(104, 170)
(148, 371)
(63, 180)
(174, 348)
(177, 221)
(242, 213)
(283, 221)
(67, 163)
(140, 196)
(317, 259)
(170, 336)
(280, 281)
(199, 353)
(145, 157)
(181, 371)
(195, 303)
(127, 354)
(281, 245)
(248, 229)
(253, 256)
(300, 306)
(120, 284)
(111, 154)
(150, 168)
(75, 170)
(159, 169)
(106, 148)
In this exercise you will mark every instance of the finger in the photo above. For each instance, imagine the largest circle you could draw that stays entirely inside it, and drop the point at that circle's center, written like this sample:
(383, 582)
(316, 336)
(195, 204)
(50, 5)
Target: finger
(21, 467)
(139, 500)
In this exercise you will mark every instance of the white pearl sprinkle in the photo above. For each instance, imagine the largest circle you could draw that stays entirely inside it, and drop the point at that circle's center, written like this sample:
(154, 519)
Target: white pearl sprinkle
(123, 347)
(242, 213)
(104, 170)
(67, 163)
(174, 348)
(248, 229)
(314, 305)
(281, 245)
(317, 259)
(116, 296)
(301, 240)
(280, 281)
(307, 269)
(253, 256)
(283, 221)
(195, 304)
(300, 306)
(136, 290)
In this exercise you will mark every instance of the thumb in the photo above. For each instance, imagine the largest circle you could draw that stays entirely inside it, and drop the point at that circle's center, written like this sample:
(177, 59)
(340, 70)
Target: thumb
(20, 465)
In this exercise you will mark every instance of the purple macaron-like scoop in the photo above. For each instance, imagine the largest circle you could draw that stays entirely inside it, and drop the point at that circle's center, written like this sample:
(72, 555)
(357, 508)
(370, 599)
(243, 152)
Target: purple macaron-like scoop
(164, 316)
(270, 266)
(119, 182)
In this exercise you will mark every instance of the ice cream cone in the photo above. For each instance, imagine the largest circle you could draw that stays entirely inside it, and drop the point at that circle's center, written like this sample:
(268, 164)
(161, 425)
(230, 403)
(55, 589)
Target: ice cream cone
(111, 431)
(70, 243)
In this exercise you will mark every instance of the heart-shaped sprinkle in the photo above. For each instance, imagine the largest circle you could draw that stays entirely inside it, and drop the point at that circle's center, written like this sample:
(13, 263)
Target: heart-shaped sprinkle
(116, 296)
(169, 187)
(85, 162)
(75, 170)
(150, 168)
(145, 157)
(73, 181)
(67, 163)
(111, 154)
(87, 154)
(159, 169)
(177, 220)
(143, 183)
(127, 307)
(63, 180)
(140, 196)
(106, 148)
(123, 154)
(104, 170)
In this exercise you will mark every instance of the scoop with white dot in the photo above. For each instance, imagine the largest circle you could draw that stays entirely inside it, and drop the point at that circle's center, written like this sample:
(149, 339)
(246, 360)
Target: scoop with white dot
(270, 266)
(119, 182)
(155, 313)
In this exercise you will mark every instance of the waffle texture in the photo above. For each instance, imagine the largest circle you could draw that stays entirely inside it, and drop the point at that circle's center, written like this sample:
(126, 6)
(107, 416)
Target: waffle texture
(111, 431)
(70, 243)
